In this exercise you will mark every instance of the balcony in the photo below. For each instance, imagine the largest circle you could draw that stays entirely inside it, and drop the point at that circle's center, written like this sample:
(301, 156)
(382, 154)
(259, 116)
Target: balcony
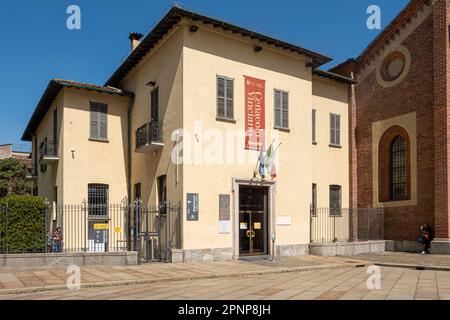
(31, 172)
(48, 151)
(149, 137)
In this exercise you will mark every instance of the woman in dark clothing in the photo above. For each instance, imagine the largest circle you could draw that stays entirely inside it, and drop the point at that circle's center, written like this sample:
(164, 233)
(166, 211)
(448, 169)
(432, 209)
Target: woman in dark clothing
(425, 237)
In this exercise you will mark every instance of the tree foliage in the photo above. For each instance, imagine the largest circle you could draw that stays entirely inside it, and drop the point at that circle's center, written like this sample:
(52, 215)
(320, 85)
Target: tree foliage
(13, 178)
(22, 223)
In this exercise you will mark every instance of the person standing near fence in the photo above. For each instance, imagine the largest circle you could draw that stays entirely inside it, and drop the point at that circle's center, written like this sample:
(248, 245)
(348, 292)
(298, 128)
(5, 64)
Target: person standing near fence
(57, 240)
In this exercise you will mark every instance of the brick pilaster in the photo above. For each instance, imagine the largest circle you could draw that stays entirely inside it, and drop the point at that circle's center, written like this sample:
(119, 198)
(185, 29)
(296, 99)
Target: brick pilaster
(441, 18)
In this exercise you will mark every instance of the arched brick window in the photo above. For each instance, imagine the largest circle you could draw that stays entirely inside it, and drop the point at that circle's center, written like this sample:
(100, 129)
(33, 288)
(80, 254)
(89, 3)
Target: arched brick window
(394, 166)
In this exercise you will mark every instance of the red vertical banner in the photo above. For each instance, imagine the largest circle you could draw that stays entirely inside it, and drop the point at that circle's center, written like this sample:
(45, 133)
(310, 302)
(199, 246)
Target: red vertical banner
(255, 122)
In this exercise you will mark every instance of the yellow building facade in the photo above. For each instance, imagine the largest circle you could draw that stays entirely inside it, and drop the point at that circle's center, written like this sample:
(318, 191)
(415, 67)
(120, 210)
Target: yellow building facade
(171, 126)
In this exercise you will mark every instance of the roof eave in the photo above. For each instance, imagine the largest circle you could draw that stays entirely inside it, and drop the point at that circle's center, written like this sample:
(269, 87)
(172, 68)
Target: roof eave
(334, 76)
(175, 15)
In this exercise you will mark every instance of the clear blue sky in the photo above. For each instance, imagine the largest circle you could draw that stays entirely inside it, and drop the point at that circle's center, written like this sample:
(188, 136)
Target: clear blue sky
(36, 45)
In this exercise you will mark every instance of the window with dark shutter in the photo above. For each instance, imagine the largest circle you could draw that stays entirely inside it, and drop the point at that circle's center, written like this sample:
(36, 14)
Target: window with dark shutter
(314, 200)
(55, 126)
(335, 129)
(225, 98)
(335, 200)
(314, 126)
(281, 109)
(155, 105)
(98, 121)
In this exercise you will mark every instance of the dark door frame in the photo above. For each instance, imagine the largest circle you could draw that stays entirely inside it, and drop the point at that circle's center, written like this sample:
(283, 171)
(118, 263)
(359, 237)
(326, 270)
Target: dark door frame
(271, 213)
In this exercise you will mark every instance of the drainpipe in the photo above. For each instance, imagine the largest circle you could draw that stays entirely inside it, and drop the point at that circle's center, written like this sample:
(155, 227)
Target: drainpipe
(130, 108)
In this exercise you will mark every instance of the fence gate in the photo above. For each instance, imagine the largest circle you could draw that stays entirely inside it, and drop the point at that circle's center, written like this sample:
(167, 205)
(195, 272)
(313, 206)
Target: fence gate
(154, 231)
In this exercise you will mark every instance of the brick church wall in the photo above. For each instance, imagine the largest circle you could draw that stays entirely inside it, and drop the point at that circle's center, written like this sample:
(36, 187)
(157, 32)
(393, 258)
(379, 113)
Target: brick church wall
(375, 103)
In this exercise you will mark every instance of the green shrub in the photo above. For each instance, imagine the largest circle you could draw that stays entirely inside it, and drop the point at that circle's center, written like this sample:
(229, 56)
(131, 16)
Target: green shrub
(22, 223)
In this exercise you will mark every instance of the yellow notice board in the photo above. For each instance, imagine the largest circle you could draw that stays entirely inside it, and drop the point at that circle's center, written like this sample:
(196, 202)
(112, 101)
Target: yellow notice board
(101, 226)
(118, 230)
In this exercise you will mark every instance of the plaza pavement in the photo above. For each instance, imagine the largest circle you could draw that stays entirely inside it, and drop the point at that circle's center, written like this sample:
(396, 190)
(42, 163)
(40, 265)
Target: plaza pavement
(303, 278)
(54, 278)
(321, 284)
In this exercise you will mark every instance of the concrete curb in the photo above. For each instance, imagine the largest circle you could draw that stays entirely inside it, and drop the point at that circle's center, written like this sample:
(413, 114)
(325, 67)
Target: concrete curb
(275, 270)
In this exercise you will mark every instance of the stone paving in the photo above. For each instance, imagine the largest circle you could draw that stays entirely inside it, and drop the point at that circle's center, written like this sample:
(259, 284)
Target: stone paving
(411, 260)
(51, 278)
(323, 278)
(323, 284)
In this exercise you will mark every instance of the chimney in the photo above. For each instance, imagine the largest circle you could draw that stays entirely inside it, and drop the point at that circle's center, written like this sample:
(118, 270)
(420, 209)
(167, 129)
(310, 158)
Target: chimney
(135, 39)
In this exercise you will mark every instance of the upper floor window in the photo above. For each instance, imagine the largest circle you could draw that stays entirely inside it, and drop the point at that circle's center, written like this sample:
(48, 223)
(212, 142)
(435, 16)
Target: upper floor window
(335, 129)
(281, 109)
(98, 121)
(225, 98)
(314, 138)
(394, 165)
(55, 125)
(154, 97)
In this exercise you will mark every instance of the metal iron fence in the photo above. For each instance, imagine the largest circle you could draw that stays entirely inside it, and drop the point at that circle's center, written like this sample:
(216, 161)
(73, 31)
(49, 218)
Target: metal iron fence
(152, 231)
(344, 224)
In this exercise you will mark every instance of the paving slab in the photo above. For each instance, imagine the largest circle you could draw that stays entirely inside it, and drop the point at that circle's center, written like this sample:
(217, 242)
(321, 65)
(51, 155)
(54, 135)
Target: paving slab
(414, 261)
(25, 279)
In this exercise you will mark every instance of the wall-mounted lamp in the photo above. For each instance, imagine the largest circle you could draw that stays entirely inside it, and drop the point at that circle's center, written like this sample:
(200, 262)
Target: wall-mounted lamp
(151, 84)
(193, 29)
(258, 48)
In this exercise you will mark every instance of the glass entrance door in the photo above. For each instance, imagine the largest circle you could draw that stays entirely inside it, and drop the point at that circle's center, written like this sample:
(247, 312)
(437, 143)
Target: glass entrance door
(253, 231)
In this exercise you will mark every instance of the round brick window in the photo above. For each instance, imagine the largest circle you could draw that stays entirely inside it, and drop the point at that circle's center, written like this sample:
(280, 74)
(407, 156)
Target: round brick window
(393, 66)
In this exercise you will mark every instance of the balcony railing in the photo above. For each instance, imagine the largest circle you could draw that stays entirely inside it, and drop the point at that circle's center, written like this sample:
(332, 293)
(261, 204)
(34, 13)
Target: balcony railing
(48, 151)
(149, 136)
(31, 172)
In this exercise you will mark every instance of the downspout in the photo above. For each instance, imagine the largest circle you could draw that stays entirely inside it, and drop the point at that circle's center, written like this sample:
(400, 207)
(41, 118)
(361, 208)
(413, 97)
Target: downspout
(130, 108)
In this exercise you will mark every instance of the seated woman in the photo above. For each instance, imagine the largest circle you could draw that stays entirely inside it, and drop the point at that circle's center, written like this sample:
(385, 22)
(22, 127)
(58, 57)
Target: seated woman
(425, 237)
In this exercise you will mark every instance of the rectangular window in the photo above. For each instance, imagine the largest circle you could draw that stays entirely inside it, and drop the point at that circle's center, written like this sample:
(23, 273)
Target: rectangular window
(225, 98)
(99, 121)
(162, 193)
(55, 126)
(314, 200)
(137, 191)
(335, 129)
(314, 141)
(98, 199)
(335, 200)
(155, 105)
(281, 109)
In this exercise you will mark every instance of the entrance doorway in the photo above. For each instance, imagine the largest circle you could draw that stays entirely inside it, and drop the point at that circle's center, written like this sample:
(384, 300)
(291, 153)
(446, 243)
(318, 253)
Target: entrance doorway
(253, 220)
